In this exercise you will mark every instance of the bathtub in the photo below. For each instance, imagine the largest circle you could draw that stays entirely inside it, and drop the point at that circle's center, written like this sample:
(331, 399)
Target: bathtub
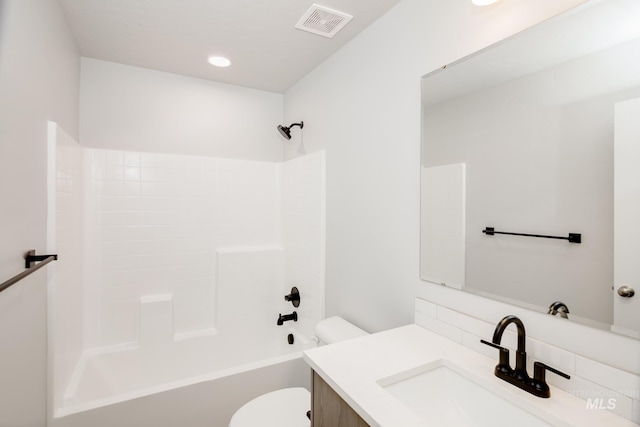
(196, 382)
(164, 312)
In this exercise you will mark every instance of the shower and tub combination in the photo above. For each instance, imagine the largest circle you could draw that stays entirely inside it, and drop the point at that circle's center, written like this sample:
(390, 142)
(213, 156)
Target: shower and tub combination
(165, 301)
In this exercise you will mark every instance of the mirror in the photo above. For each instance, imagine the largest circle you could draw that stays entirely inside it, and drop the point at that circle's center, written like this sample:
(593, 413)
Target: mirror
(520, 137)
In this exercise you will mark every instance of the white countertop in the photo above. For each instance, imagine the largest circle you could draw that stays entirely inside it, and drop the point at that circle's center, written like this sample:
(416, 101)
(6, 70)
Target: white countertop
(353, 368)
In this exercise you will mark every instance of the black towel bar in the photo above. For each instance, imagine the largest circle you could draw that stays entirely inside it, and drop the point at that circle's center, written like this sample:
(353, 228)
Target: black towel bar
(573, 237)
(30, 264)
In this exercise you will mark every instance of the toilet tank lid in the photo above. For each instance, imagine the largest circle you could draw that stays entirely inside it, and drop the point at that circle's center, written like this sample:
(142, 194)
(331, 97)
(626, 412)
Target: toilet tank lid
(335, 329)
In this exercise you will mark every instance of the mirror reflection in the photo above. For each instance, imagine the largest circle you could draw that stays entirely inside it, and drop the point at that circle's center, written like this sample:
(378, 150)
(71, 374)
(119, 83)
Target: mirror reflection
(523, 137)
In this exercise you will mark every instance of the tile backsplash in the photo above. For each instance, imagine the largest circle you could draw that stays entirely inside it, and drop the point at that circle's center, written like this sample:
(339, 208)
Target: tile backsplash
(605, 381)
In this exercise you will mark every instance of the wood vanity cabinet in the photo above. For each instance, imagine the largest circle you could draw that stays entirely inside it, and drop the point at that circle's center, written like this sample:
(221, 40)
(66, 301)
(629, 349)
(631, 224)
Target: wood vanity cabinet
(330, 410)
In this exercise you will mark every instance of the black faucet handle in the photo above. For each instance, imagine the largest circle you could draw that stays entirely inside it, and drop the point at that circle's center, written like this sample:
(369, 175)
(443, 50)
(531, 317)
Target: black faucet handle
(293, 297)
(539, 385)
(503, 361)
(540, 368)
(494, 345)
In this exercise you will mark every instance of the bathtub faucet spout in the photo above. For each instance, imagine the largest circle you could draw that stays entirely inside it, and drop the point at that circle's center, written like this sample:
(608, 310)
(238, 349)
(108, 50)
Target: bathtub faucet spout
(281, 319)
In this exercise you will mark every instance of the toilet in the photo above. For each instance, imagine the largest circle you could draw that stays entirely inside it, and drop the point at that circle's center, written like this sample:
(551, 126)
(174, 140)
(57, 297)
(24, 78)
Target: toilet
(288, 407)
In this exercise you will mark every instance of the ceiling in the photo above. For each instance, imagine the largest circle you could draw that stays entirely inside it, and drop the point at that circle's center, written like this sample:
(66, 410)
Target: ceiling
(178, 36)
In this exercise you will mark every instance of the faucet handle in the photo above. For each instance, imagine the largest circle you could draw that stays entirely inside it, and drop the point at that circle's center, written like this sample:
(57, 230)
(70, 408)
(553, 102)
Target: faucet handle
(494, 345)
(503, 363)
(293, 297)
(539, 369)
(539, 382)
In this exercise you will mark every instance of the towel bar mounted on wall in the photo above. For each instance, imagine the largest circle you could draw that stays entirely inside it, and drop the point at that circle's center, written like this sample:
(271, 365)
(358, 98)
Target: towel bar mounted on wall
(573, 237)
(30, 264)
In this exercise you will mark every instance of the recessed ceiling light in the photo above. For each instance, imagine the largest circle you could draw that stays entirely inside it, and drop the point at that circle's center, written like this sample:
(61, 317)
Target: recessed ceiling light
(219, 61)
(483, 2)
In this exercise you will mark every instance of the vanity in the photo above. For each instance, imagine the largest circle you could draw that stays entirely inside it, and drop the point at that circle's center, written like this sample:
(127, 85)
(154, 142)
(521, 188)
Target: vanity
(410, 376)
(329, 409)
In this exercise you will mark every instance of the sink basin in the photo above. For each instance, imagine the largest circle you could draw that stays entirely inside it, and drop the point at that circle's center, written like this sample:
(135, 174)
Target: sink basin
(442, 394)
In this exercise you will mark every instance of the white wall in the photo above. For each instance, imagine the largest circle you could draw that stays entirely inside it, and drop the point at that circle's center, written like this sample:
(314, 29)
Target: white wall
(363, 106)
(136, 109)
(39, 77)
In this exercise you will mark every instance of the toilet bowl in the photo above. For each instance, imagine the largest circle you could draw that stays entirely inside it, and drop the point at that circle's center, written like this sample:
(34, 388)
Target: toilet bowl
(288, 407)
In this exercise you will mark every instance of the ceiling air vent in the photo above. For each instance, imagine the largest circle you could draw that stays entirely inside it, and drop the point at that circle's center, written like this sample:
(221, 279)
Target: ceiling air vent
(323, 21)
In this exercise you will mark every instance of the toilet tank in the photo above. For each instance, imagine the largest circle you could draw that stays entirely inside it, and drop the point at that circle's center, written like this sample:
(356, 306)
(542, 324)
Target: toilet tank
(335, 329)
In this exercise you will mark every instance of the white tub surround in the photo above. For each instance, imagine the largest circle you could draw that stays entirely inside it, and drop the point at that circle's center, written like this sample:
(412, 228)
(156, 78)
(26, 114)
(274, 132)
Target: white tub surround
(355, 368)
(443, 229)
(65, 236)
(172, 225)
(184, 262)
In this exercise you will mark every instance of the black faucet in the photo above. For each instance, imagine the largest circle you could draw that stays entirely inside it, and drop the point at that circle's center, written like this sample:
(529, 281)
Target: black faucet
(519, 376)
(281, 319)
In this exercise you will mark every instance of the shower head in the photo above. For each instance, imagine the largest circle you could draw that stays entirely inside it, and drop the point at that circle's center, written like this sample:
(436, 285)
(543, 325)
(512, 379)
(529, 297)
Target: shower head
(285, 131)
